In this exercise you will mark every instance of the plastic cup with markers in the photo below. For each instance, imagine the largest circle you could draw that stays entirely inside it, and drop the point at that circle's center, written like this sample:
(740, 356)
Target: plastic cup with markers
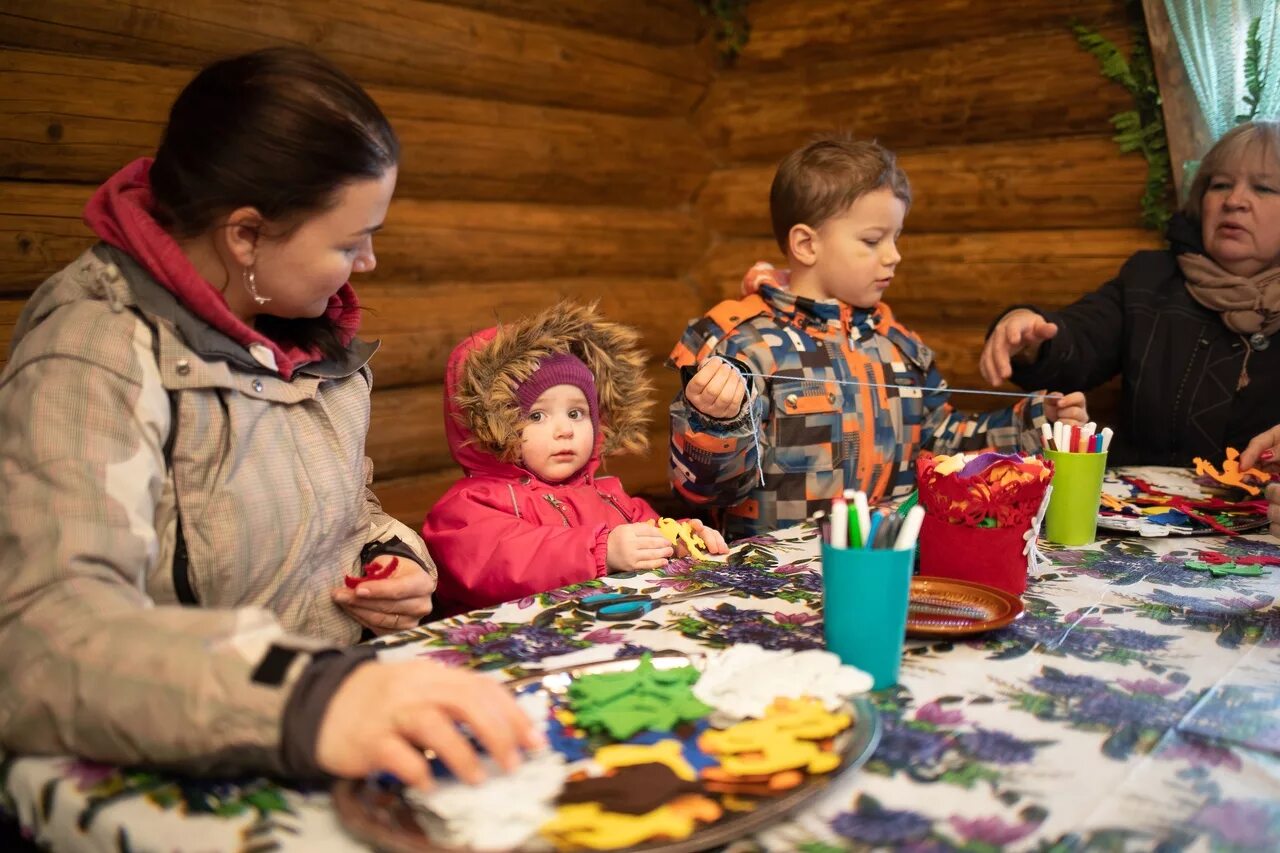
(1079, 456)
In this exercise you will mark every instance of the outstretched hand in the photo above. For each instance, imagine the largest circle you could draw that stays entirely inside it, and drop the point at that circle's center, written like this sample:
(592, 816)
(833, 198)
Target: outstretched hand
(1019, 333)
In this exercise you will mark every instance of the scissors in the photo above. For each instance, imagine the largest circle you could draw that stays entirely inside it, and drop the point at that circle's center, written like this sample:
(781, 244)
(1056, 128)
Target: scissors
(620, 606)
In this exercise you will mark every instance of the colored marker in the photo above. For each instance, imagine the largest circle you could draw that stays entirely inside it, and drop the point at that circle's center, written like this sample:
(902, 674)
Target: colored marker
(877, 519)
(1106, 438)
(910, 529)
(1047, 432)
(839, 524)
(862, 513)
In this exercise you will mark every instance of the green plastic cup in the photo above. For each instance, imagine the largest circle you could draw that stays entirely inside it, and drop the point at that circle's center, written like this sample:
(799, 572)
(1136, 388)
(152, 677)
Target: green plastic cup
(864, 607)
(1072, 518)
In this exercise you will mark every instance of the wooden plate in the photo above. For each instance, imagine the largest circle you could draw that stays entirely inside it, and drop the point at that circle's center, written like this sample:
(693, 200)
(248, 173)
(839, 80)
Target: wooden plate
(383, 818)
(942, 607)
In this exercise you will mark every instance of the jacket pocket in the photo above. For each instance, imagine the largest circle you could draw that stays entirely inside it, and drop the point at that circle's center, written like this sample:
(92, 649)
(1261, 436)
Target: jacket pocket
(806, 431)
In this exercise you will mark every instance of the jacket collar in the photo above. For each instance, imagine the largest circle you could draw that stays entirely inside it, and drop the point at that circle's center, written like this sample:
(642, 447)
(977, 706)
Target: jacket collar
(207, 342)
(859, 323)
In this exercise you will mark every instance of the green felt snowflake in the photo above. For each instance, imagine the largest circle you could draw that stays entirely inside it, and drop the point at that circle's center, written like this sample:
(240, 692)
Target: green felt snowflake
(1220, 569)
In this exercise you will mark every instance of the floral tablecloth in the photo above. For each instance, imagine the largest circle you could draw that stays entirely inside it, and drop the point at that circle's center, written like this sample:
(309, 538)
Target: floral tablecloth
(1136, 705)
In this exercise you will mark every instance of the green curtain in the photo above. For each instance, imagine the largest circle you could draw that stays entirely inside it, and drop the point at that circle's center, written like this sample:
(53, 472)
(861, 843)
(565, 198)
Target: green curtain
(1211, 37)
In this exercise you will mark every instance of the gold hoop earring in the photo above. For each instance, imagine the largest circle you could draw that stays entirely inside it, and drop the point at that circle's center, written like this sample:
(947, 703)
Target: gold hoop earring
(251, 285)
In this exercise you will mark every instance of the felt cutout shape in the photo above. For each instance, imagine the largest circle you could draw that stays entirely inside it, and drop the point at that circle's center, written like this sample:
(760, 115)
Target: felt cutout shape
(1231, 475)
(1219, 570)
(623, 703)
(634, 789)
(590, 825)
(669, 753)
(676, 532)
(782, 740)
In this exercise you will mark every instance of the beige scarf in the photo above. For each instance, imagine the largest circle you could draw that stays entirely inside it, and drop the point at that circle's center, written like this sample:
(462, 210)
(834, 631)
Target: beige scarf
(1247, 305)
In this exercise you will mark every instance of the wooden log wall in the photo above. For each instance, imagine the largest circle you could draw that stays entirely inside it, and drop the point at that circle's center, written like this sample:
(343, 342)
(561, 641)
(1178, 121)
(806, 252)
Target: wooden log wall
(1000, 121)
(547, 152)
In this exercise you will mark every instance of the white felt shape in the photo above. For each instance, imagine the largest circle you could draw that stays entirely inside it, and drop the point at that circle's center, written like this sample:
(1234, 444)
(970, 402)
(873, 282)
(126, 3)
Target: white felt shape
(743, 680)
(502, 812)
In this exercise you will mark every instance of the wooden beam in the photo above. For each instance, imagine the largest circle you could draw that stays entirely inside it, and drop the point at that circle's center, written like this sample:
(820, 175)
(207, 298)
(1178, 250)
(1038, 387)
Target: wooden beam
(790, 32)
(419, 325)
(1184, 124)
(41, 231)
(1006, 88)
(671, 22)
(966, 277)
(65, 121)
(1078, 182)
(413, 45)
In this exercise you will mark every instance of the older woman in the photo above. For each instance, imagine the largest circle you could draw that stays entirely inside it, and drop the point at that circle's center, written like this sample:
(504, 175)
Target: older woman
(1191, 329)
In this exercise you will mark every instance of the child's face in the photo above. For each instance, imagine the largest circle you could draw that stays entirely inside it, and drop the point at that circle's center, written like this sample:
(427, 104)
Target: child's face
(856, 253)
(558, 439)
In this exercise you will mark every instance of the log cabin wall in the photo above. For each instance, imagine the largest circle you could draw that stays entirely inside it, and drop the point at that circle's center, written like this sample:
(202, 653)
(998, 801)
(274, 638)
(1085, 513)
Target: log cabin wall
(547, 152)
(1000, 120)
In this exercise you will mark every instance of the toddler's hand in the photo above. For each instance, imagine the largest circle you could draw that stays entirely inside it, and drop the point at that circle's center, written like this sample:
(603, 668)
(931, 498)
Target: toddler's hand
(712, 540)
(717, 389)
(636, 547)
(1019, 333)
(1069, 408)
(384, 715)
(389, 604)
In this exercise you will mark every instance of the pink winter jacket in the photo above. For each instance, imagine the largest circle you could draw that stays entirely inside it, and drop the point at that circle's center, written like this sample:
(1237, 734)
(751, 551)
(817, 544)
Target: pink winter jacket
(500, 533)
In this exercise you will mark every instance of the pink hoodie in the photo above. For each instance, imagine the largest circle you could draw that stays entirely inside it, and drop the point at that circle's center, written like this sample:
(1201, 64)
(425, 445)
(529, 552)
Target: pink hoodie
(501, 534)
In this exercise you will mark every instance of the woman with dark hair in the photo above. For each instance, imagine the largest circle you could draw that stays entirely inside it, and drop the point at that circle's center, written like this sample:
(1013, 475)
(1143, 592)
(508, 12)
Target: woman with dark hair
(1191, 329)
(182, 428)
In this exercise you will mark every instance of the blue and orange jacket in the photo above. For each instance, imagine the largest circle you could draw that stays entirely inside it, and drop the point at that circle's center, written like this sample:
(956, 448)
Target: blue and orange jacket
(808, 423)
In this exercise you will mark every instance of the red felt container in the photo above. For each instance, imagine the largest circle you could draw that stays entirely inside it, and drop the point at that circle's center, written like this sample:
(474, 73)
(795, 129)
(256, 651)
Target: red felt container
(988, 555)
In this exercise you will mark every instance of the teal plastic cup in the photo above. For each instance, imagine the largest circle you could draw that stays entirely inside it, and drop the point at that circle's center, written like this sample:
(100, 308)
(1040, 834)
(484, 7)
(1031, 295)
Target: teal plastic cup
(1072, 517)
(864, 608)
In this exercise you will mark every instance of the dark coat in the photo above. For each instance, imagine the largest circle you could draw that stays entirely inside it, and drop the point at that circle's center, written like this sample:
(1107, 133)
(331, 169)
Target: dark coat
(1179, 362)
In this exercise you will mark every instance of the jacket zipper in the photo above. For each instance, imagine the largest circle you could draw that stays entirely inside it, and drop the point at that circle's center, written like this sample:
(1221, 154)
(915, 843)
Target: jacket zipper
(551, 499)
(613, 503)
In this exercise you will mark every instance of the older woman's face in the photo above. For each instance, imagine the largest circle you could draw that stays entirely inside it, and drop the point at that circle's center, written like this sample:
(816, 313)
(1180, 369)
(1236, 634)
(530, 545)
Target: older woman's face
(1241, 213)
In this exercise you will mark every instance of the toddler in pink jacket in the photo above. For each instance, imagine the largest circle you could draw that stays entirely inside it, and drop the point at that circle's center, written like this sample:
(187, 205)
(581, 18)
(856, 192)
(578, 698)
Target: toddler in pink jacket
(530, 409)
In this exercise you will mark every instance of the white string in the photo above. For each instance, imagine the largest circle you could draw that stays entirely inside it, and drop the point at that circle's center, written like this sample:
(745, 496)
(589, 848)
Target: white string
(755, 427)
(947, 389)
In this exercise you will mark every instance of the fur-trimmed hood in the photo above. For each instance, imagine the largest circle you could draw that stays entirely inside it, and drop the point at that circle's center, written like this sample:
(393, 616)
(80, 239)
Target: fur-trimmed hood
(482, 414)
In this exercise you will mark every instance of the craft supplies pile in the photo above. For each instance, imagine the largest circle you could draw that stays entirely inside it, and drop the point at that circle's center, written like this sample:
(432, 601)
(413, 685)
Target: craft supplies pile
(657, 750)
(1212, 499)
(982, 516)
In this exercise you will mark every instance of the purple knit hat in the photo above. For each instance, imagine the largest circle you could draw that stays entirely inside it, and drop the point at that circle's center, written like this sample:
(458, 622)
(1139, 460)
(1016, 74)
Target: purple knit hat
(560, 369)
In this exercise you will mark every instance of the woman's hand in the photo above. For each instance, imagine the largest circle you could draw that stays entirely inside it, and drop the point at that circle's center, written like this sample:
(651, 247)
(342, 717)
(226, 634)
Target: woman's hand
(1019, 334)
(1069, 408)
(384, 715)
(711, 539)
(1264, 450)
(717, 389)
(390, 604)
(637, 547)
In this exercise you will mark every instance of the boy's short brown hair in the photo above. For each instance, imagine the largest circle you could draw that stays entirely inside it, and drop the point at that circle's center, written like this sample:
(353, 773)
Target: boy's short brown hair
(825, 177)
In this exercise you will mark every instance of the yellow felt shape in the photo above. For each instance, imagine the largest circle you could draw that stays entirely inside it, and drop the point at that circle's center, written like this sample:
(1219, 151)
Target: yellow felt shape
(948, 464)
(676, 532)
(783, 740)
(589, 825)
(668, 752)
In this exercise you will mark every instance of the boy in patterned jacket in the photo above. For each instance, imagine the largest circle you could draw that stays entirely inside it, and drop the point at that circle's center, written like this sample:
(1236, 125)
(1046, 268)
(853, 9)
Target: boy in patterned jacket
(809, 382)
